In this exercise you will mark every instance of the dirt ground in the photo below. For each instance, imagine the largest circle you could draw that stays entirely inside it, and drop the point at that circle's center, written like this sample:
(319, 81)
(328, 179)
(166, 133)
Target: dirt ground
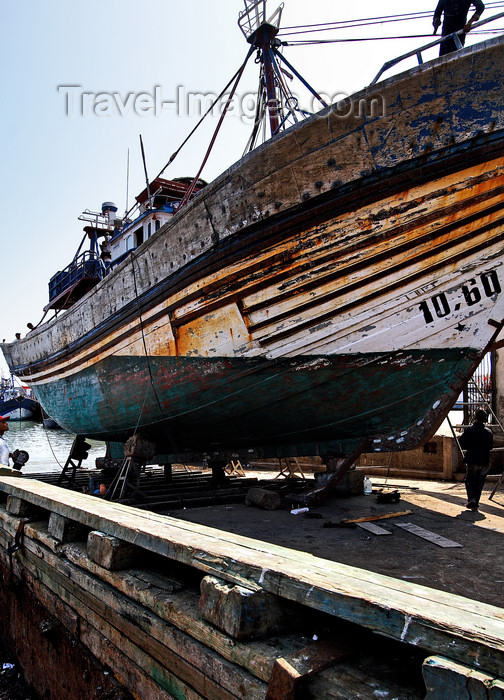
(474, 570)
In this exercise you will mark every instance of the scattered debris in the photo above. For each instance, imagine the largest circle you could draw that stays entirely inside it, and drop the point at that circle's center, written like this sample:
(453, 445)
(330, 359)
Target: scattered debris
(377, 517)
(374, 529)
(427, 535)
(388, 496)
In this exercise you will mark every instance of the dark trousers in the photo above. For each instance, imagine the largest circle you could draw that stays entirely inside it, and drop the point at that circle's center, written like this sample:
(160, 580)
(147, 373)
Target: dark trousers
(475, 480)
(449, 45)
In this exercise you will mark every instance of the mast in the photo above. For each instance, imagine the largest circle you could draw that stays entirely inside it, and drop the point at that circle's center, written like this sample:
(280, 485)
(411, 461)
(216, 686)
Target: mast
(261, 33)
(275, 97)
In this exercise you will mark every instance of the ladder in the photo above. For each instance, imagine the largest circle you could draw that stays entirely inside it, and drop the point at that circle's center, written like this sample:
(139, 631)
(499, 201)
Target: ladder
(78, 453)
(127, 479)
(474, 390)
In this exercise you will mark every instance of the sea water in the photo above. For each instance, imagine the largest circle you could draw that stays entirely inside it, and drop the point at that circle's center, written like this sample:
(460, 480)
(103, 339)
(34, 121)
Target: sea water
(48, 448)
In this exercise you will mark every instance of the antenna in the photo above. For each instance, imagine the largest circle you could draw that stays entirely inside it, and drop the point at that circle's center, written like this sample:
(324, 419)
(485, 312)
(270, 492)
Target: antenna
(127, 184)
(145, 171)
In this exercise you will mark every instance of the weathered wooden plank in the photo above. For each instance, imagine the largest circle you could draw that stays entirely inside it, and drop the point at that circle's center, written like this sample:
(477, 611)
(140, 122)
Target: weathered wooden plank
(374, 529)
(399, 609)
(445, 678)
(428, 535)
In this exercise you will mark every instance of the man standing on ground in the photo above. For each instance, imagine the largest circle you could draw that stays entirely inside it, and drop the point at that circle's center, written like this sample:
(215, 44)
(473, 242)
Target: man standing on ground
(455, 19)
(477, 440)
(4, 447)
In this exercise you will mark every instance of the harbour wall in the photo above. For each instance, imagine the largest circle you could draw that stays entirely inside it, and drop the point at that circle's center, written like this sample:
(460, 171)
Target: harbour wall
(170, 609)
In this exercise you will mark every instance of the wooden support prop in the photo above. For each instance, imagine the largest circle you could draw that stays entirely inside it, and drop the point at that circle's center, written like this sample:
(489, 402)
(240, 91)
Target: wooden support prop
(319, 494)
(289, 468)
(445, 678)
(168, 472)
(240, 612)
(234, 468)
(18, 506)
(66, 530)
(110, 552)
(287, 675)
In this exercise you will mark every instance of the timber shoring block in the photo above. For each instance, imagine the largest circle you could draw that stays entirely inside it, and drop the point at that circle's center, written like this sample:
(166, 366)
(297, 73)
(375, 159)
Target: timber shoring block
(18, 506)
(447, 679)
(110, 552)
(262, 498)
(287, 675)
(66, 530)
(240, 612)
(402, 610)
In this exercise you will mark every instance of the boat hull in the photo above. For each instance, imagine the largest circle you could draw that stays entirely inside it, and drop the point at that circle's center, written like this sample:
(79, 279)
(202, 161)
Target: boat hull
(337, 286)
(311, 403)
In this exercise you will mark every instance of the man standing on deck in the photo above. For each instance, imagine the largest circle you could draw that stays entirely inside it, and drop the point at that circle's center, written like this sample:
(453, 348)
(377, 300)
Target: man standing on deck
(477, 440)
(455, 18)
(4, 447)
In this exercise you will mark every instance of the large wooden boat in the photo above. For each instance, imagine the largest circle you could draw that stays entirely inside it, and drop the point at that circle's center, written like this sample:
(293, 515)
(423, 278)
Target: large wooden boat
(337, 285)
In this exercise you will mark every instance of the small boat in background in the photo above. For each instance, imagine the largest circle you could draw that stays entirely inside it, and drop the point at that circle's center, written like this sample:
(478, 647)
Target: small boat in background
(17, 402)
(49, 423)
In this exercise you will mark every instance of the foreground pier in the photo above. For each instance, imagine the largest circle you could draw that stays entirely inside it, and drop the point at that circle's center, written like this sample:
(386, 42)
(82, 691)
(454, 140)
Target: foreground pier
(172, 609)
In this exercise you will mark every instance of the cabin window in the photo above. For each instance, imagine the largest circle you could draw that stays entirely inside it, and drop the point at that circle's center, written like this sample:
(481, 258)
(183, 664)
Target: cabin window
(158, 224)
(149, 229)
(130, 242)
(139, 235)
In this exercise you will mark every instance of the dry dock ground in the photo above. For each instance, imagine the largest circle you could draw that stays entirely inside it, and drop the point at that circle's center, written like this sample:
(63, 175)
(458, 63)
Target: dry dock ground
(475, 569)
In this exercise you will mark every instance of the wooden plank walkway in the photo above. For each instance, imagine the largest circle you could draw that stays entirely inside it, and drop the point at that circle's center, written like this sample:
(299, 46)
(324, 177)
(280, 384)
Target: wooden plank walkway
(464, 630)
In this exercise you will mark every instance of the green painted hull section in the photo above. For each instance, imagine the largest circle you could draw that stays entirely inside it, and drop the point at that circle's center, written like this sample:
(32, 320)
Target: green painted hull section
(302, 405)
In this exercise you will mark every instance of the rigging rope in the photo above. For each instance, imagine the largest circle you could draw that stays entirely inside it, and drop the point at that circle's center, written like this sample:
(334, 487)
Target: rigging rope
(377, 38)
(366, 21)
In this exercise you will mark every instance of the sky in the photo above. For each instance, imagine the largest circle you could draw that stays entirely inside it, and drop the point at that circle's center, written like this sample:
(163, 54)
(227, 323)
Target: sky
(80, 82)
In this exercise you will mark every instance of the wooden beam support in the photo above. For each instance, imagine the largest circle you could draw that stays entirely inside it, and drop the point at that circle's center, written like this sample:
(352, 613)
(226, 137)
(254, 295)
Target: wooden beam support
(110, 552)
(240, 612)
(288, 674)
(445, 678)
(65, 530)
(18, 506)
